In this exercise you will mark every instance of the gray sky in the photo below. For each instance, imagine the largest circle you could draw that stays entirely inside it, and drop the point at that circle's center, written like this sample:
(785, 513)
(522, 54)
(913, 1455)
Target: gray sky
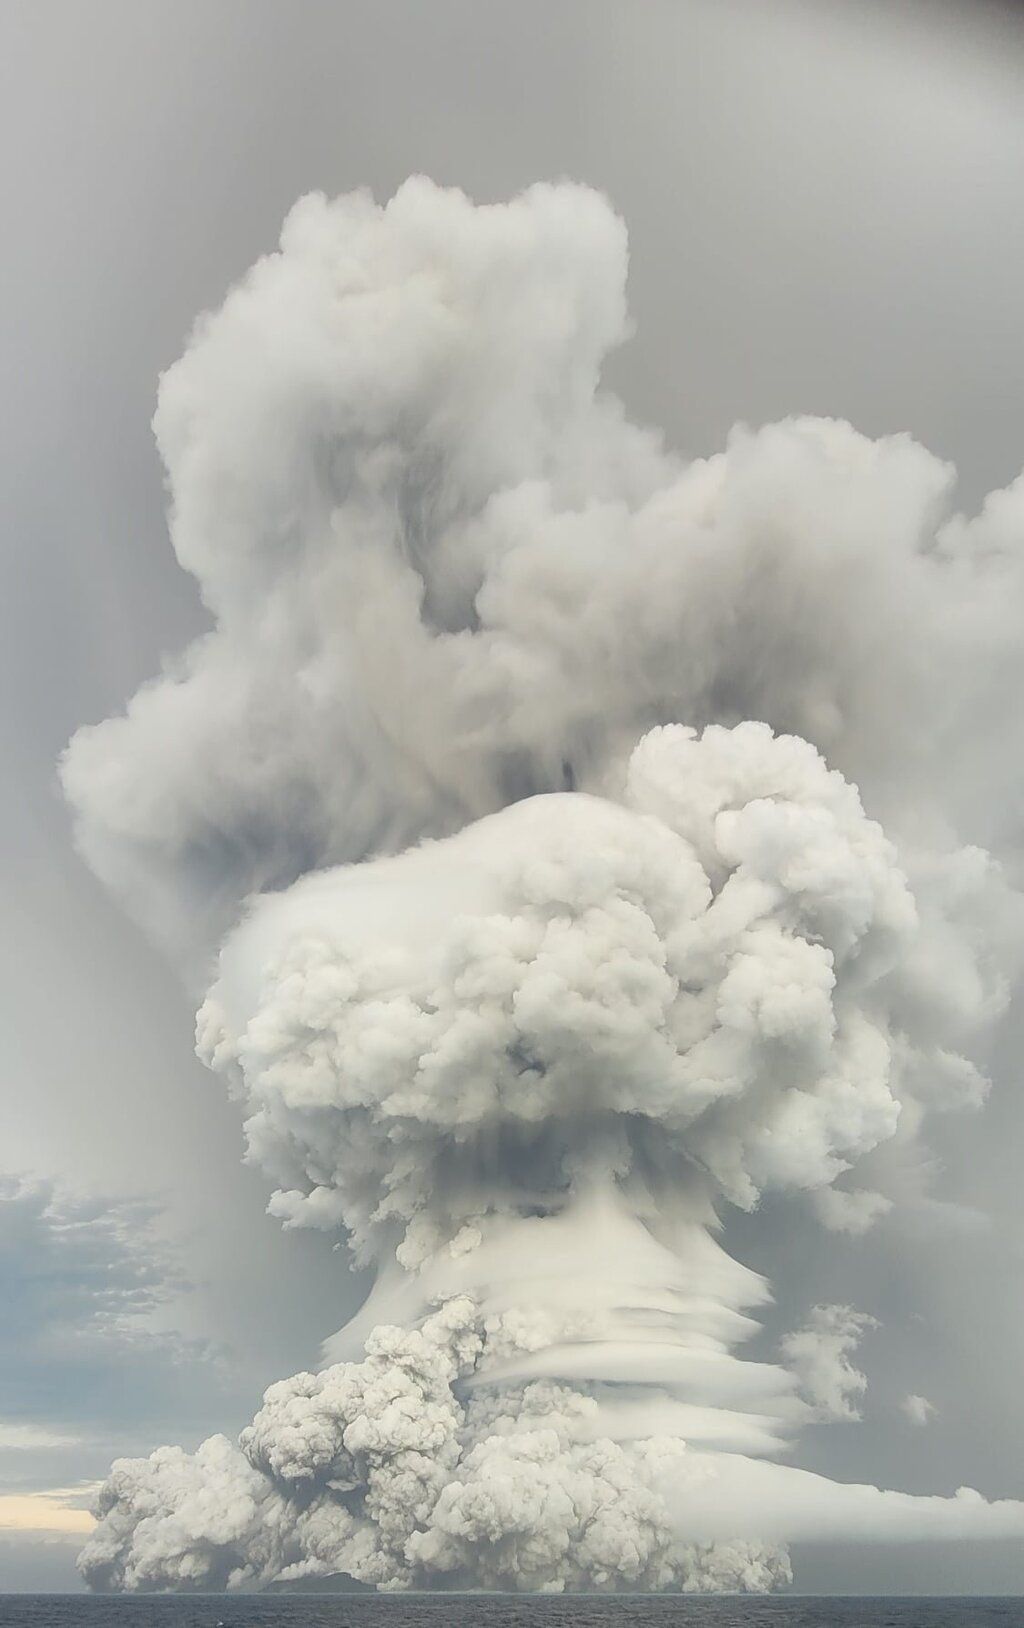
(824, 210)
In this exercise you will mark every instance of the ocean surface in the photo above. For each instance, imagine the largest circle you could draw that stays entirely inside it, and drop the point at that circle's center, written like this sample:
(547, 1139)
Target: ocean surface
(499, 1611)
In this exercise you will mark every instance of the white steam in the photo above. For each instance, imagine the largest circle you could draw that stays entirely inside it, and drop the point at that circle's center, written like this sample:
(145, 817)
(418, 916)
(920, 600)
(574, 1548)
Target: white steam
(918, 1409)
(819, 1356)
(533, 949)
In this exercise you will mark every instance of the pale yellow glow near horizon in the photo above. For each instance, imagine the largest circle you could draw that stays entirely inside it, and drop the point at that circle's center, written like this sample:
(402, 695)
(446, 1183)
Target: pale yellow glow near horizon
(46, 1512)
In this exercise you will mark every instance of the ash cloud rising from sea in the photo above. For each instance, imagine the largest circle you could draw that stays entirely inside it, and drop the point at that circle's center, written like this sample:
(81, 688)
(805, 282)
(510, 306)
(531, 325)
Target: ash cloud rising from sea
(571, 842)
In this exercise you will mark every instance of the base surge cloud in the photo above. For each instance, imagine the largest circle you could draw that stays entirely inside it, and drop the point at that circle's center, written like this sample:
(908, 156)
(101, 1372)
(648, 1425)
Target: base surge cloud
(524, 798)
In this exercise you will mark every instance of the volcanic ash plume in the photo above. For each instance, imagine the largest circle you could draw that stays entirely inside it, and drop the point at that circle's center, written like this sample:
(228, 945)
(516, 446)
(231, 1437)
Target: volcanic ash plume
(535, 952)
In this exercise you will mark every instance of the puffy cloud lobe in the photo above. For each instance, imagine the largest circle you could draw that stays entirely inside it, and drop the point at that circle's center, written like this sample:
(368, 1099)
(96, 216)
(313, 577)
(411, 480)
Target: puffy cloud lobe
(711, 973)
(327, 436)
(533, 1508)
(176, 1520)
(445, 571)
(819, 1355)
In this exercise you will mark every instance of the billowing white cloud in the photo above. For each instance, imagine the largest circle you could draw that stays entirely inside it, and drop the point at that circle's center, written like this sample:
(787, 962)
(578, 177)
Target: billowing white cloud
(445, 571)
(528, 781)
(713, 977)
(819, 1355)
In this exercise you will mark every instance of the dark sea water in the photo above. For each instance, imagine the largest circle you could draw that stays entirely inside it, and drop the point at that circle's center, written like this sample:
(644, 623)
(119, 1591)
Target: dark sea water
(499, 1611)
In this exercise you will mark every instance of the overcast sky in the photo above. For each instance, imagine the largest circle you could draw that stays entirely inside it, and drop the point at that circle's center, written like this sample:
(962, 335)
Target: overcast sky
(823, 202)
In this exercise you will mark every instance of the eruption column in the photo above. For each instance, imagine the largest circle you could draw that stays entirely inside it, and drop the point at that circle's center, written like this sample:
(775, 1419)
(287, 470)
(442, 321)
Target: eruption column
(535, 951)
